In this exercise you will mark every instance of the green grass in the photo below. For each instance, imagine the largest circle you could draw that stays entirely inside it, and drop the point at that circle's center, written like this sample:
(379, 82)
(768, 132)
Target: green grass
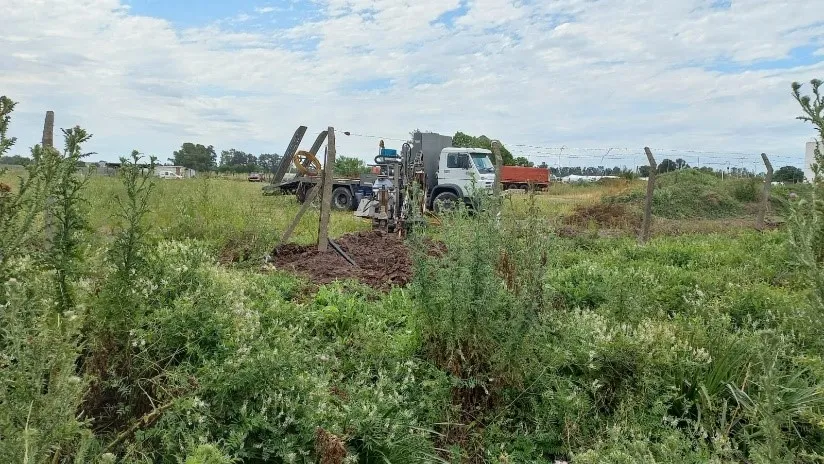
(517, 346)
(224, 212)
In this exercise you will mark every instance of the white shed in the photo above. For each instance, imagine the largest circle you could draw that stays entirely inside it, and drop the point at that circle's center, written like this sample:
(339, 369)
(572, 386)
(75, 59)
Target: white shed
(809, 159)
(176, 170)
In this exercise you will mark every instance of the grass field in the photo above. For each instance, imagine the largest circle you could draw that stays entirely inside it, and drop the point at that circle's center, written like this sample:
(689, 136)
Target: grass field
(512, 344)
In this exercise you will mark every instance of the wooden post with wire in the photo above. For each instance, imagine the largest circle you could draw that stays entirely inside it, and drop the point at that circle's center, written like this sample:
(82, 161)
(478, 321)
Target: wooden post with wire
(326, 197)
(645, 227)
(47, 143)
(765, 196)
(496, 152)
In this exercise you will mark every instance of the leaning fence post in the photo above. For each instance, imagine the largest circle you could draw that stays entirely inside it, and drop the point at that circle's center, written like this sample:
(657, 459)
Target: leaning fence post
(765, 200)
(307, 203)
(496, 152)
(47, 143)
(326, 198)
(653, 167)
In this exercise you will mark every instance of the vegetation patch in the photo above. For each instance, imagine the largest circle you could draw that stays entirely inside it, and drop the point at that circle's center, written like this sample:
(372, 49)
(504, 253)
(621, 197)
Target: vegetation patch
(690, 194)
(604, 215)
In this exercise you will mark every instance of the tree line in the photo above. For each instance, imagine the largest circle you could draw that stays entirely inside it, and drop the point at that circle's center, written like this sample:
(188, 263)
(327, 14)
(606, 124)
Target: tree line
(204, 158)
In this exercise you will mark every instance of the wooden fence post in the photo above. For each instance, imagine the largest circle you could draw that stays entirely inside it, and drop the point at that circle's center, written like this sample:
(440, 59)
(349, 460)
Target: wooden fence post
(496, 152)
(326, 198)
(645, 227)
(47, 143)
(48, 130)
(765, 200)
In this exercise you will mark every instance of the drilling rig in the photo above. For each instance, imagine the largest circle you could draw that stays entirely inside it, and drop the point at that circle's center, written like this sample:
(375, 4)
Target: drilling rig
(428, 174)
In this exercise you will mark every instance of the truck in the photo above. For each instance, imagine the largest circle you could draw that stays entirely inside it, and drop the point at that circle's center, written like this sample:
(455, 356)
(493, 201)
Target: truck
(520, 177)
(445, 175)
(442, 175)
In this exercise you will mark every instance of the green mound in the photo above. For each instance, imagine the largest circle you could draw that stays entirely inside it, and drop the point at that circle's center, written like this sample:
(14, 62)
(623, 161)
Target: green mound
(689, 193)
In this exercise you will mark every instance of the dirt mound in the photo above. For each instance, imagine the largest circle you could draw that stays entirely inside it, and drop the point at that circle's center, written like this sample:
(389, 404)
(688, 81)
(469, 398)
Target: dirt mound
(613, 216)
(383, 260)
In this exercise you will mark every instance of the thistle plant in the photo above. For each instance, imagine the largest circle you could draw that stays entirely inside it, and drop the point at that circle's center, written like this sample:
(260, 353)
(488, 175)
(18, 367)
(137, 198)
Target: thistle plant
(807, 219)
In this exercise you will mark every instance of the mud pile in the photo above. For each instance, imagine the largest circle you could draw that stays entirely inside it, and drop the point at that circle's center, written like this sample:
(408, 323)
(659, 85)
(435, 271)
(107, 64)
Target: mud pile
(383, 260)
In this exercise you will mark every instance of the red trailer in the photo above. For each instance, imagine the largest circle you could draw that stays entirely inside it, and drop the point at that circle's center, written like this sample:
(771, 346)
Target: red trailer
(520, 177)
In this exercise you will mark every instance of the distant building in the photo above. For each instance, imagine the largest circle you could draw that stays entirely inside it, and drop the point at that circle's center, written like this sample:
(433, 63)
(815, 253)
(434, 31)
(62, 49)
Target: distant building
(573, 178)
(181, 171)
(110, 169)
(107, 169)
(809, 159)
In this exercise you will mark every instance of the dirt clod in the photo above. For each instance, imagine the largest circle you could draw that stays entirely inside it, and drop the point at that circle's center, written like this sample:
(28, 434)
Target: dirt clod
(383, 260)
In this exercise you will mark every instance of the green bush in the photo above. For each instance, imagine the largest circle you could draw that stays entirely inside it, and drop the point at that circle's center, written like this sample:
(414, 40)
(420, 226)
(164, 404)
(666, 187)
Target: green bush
(690, 193)
(746, 190)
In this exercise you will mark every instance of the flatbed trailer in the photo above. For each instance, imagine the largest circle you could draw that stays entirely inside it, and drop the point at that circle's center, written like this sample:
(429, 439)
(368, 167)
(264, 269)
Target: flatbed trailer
(346, 192)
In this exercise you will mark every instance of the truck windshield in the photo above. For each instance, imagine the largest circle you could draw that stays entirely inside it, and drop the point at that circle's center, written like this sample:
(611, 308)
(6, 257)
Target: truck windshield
(482, 162)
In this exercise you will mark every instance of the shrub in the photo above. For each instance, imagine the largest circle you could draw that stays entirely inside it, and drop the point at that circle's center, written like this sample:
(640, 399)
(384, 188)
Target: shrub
(746, 190)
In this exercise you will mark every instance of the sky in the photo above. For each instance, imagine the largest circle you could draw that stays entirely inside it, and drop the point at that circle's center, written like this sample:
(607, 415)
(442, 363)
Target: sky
(569, 82)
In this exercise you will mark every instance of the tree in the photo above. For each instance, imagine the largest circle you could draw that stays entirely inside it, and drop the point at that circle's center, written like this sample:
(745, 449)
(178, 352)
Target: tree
(681, 164)
(667, 165)
(643, 171)
(197, 157)
(16, 160)
(522, 161)
(238, 161)
(462, 140)
(346, 166)
(268, 162)
(790, 174)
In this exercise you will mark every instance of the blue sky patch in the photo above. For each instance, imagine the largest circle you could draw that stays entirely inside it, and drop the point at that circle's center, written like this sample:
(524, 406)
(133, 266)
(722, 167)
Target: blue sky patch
(237, 14)
(369, 85)
(798, 56)
(448, 19)
(425, 78)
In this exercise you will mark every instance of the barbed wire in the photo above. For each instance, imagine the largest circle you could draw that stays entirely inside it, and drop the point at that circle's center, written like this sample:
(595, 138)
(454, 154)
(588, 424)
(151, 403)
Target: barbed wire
(565, 154)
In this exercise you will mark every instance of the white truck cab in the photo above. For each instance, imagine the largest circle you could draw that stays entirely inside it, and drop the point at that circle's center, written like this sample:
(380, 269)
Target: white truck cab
(459, 166)
(449, 171)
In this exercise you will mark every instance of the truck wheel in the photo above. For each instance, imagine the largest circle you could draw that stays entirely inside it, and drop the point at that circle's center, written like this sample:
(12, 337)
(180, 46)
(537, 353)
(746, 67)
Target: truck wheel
(446, 201)
(301, 192)
(342, 199)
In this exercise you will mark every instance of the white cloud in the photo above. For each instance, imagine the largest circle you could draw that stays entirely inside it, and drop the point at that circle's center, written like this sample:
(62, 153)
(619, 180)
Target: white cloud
(625, 73)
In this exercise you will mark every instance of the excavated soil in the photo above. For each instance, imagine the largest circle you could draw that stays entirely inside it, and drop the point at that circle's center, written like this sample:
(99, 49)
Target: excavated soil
(383, 260)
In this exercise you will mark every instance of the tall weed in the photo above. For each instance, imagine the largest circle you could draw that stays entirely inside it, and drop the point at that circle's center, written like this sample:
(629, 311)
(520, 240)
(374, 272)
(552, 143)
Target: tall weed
(40, 389)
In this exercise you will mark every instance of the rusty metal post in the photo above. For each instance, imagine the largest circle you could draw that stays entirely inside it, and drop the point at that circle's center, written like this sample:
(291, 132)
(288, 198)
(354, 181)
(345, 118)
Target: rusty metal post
(645, 227)
(326, 198)
(496, 152)
(765, 200)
